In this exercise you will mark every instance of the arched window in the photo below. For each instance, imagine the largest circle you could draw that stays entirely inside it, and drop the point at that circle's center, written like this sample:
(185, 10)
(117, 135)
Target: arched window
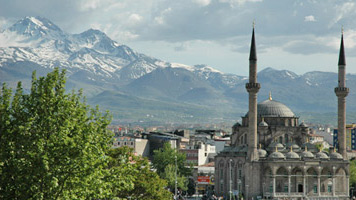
(286, 139)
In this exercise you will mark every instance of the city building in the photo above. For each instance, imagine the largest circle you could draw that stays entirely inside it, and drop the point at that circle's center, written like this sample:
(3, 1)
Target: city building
(270, 155)
(350, 137)
(199, 153)
(139, 145)
(156, 140)
(201, 148)
(204, 178)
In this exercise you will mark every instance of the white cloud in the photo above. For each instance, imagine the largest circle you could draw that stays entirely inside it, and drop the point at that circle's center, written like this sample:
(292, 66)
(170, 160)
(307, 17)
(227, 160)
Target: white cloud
(125, 35)
(135, 19)
(309, 18)
(3, 23)
(342, 11)
(161, 18)
(181, 47)
(238, 2)
(8, 39)
(202, 2)
(87, 5)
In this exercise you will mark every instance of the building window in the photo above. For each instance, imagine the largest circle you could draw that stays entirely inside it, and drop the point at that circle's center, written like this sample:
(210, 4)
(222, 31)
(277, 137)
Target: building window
(240, 174)
(131, 143)
(271, 188)
(315, 189)
(286, 188)
(118, 143)
(330, 188)
(206, 154)
(124, 143)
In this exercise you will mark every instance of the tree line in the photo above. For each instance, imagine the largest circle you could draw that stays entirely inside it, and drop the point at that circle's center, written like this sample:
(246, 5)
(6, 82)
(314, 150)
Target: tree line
(54, 146)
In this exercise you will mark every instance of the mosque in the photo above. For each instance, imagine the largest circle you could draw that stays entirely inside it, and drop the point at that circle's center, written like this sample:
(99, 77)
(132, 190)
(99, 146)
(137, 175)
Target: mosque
(270, 156)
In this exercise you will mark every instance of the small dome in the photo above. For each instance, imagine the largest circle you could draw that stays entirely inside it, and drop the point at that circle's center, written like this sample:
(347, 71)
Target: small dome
(263, 124)
(292, 155)
(322, 155)
(307, 154)
(336, 156)
(273, 145)
(262, 153)
(293, 145)
(303, 124)
(237, 124)
(276, 155)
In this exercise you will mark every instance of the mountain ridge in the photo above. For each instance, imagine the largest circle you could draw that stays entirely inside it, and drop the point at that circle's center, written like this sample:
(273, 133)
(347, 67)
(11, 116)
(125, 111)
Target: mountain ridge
(97, 63)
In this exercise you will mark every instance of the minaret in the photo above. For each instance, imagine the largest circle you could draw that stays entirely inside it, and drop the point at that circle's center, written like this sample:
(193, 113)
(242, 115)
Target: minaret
(341, 92)
(252, 88)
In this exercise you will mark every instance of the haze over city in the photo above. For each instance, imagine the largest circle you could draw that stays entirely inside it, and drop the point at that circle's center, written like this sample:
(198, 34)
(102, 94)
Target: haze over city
(296, 35)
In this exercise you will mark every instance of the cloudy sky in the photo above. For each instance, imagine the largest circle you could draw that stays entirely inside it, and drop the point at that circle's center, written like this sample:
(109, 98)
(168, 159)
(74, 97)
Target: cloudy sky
(297, 35)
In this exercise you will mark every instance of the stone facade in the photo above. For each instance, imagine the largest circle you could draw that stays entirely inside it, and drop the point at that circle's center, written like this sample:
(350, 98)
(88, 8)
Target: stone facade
(286, 165)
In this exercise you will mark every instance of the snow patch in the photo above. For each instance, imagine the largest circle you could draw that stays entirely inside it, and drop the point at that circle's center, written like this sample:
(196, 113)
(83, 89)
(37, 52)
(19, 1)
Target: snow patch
(183, 66)
(38, 22)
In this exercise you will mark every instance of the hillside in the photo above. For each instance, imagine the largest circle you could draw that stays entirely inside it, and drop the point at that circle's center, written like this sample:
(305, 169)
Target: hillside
(137, 87)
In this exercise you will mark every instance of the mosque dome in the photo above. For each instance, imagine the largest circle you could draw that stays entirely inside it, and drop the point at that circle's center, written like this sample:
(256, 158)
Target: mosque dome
(307, 154)
(293, 145)
(303, 124)
(276, 155)
(262, 153)
(292, 155)
(275, 145)
(237, 124)
(263, 124)
(272, 108)
(322, 155)
(336, 156)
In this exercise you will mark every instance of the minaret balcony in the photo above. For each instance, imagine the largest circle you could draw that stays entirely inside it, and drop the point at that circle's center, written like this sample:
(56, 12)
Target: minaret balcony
(341, 91)
(253, 87)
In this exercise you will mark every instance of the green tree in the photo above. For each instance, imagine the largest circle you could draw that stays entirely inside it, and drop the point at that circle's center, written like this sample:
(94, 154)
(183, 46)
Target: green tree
(191, 187)
(164, 161)
(170, 175)
(52, 145)
(131, 176)
(353, 172)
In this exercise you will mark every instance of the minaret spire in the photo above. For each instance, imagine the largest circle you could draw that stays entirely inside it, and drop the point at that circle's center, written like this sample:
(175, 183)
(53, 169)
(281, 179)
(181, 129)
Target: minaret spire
(342, 60)
(253, 55)
(341, 92)
(252, 88)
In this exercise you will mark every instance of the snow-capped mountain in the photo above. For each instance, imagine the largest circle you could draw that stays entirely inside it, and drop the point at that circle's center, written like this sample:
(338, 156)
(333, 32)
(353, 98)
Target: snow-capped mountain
(41, 41)
(125, 81)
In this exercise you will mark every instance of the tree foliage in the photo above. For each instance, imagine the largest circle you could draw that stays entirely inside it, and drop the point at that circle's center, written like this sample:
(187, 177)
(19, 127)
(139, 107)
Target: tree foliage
(52, 145)
(132, 177)
(164, 161)
(169, 176)
(353, 172)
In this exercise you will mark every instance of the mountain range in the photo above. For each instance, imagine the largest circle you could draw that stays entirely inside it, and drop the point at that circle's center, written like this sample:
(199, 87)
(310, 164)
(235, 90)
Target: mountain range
(136, 87)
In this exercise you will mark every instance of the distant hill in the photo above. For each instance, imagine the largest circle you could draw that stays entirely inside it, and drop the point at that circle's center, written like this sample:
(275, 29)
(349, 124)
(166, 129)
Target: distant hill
(137, 87)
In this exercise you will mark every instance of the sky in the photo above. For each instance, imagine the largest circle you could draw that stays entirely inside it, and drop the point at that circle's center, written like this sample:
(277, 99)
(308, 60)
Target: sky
(295, 35)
